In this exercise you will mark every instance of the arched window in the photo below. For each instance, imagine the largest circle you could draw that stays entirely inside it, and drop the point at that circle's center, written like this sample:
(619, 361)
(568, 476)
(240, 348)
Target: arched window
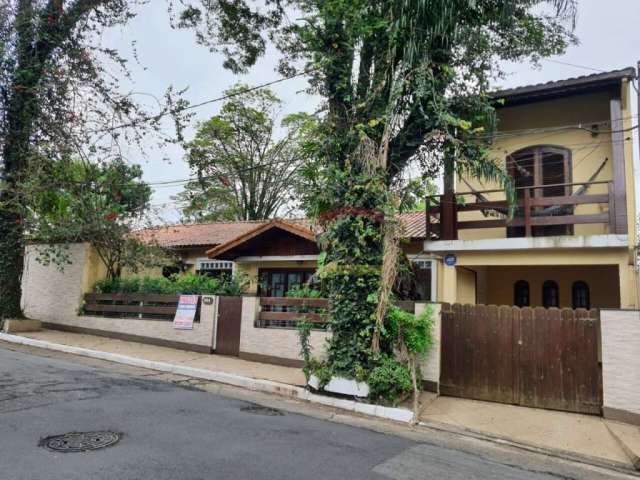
(580, 297)
(521, 296)
(537, 166)
(550, 294)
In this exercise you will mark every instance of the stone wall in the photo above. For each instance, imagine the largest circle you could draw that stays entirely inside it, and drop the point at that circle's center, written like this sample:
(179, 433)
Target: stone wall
(621, 364)
(54, 296)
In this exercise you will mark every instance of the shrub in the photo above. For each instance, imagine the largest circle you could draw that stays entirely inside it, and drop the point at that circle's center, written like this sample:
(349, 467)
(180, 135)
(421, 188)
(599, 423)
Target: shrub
(187, 284)
(389, 381)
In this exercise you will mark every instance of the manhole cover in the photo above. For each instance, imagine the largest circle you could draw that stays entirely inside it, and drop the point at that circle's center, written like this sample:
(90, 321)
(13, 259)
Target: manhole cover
(262, 410)
(80, 441)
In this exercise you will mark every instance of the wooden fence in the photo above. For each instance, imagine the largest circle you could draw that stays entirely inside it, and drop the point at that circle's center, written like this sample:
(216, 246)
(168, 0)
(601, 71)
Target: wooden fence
(537, 357)
(287, 312)
(133, 305)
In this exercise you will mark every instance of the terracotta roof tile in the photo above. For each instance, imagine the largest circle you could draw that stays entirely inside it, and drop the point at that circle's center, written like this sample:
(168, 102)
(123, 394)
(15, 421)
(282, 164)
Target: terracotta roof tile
(218, 233)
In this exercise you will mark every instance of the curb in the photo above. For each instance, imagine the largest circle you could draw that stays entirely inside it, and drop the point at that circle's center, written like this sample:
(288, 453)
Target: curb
(556, 453)
(258, 385)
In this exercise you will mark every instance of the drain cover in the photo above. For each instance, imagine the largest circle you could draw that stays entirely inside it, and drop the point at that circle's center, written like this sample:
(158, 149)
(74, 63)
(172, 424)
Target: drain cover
(261, 410)
(80, 441)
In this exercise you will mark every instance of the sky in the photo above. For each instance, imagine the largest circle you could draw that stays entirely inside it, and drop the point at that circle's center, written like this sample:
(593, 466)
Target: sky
(607, 31)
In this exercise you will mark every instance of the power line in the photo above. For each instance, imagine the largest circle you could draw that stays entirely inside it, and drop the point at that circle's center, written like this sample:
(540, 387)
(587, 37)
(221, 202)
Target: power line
(206, 102)
(584, 67)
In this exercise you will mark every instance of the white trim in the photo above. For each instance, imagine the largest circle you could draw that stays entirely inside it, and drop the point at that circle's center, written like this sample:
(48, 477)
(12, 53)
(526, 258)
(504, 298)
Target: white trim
(529, 243)
(209, 264)
(276, 258)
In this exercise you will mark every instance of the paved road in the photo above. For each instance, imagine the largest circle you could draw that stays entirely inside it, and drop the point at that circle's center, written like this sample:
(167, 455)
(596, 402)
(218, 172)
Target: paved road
(178, 432)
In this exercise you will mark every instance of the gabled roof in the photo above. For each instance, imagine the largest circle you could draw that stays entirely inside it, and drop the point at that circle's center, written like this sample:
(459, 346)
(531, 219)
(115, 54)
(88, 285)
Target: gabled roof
(304, 233)
(570, 86)
(202, 234)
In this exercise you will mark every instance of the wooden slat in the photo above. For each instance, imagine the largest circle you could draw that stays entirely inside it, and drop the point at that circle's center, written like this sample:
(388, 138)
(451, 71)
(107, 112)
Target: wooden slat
(100, 308)
(472, 224)
(130, 297)
(292, 316)
(536, 357)
(483, 206)
(569, 200)
(570, 219)
(294, 302)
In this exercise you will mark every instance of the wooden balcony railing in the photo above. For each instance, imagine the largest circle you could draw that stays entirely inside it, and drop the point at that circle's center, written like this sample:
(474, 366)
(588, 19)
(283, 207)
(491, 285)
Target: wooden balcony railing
(532, 209)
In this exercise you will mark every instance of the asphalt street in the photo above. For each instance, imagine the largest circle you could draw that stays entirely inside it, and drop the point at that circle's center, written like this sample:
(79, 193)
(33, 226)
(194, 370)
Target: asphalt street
(174, 431)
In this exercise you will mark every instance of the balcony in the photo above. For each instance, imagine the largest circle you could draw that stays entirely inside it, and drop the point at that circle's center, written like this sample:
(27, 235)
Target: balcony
(583, 209)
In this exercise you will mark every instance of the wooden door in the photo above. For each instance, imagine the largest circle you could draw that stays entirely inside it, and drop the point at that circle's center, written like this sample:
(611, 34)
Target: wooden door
(228, 326)
(535, 357)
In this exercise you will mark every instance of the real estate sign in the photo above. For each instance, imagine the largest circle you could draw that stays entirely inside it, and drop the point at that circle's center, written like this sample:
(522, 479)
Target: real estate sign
(186, 312)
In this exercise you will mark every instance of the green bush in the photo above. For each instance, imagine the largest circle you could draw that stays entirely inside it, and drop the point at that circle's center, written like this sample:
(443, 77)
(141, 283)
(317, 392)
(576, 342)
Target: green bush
(186, 284)
(389, 381)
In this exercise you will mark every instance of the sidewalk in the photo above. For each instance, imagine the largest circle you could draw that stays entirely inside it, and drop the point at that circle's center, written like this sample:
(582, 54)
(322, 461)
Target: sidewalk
(568, 434)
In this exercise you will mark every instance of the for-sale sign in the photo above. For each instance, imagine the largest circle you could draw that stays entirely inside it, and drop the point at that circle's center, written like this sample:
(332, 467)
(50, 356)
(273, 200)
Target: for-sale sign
(186, 312)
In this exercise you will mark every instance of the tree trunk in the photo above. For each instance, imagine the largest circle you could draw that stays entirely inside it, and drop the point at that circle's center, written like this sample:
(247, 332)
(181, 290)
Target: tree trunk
(11, 263)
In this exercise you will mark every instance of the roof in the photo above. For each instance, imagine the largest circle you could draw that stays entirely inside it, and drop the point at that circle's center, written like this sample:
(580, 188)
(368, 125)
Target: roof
(305, 232)
(570, 86)
(197, 235)
(218, 233)
(413, 224)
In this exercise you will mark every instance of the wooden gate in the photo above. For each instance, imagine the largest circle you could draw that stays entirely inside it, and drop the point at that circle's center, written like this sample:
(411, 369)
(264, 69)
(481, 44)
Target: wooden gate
(228, 330)
(535, 357)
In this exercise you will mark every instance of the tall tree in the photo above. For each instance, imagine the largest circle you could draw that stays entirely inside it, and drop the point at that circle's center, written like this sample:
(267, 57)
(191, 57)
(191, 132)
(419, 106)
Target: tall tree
(406, 84)
(59, 95)
(247, 164)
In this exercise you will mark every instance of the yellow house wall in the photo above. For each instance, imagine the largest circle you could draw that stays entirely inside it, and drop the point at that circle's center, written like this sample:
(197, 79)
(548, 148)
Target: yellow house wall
(580, 261)
(466, 287)
(587, 152)
(602, 280)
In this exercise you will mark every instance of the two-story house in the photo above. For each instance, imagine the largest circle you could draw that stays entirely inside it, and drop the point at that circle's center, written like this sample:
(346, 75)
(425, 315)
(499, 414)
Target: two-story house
(570, 241)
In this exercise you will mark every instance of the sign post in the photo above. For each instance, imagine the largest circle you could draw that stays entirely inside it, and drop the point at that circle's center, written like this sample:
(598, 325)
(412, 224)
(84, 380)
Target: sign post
(186, 312)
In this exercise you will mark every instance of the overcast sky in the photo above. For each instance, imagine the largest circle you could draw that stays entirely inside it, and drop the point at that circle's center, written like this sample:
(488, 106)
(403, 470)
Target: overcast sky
(607, 31)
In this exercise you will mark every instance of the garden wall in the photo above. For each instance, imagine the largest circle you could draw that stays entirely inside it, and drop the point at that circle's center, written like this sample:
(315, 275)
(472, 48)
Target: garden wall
(54, 297)
(621, 364)
(273, 345)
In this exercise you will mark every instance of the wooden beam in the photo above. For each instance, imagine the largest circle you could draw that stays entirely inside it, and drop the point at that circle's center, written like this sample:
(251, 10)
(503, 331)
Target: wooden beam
(294, 302)
(569, 200)
(619, 179)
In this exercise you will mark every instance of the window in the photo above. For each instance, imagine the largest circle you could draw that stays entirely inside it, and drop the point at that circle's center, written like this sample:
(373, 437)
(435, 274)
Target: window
(214, 268)
(537, 166)
(550, 294)
(580, 297)
(425, 285)
(276, 282)
(521, 296)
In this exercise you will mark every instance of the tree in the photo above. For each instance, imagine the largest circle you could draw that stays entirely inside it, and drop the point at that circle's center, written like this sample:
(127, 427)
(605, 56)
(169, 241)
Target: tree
(100, 203)
(59, 94)
(406, 85)
(246, 169)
